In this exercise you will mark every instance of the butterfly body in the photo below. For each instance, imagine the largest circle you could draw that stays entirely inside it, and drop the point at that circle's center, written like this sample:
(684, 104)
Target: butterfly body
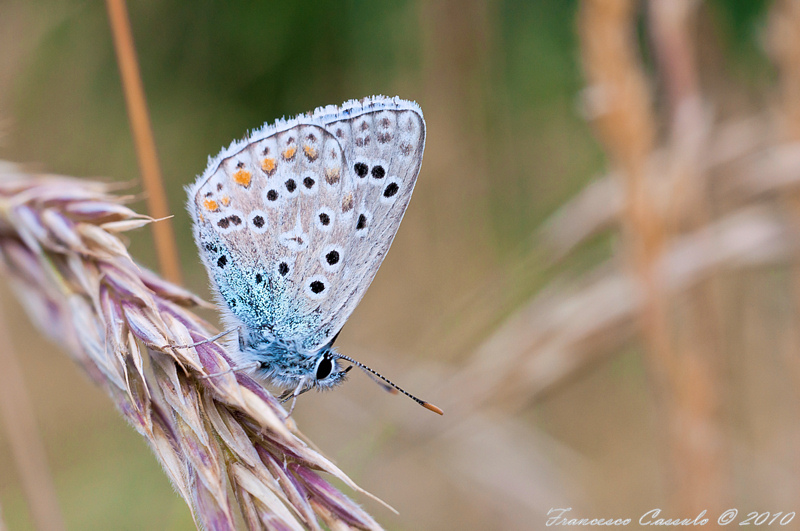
(293, 222)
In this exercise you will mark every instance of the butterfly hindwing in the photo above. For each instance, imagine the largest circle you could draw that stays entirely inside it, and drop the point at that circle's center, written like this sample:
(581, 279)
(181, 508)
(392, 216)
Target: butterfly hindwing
(293, 223)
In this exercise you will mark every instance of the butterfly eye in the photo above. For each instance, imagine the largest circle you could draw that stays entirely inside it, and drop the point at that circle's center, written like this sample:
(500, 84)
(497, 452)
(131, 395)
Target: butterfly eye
(324, 368)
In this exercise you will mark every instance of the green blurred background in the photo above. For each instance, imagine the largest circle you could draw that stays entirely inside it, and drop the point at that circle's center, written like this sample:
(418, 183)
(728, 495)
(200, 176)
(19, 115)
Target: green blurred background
(499, 83)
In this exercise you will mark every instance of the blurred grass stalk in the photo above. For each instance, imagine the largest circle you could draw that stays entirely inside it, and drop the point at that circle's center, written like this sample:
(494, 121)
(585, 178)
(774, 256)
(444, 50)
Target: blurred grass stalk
(691, 200)
(681, 359)
(163, 234)
(27, 447)
(784, 45)
(60, 250)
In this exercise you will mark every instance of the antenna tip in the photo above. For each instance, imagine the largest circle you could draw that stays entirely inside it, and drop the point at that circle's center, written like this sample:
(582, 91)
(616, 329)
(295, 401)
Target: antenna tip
(431, 407)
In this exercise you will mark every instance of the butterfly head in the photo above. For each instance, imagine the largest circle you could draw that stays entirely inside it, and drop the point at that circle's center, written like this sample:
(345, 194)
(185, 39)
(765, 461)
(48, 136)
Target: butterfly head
(328, 373)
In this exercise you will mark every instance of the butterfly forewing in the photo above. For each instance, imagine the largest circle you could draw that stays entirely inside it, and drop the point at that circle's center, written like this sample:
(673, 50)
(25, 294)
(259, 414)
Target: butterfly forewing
(383, 154)
(294, 222)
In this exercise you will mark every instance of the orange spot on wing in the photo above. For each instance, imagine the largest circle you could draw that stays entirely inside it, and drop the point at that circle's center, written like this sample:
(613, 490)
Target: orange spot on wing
(242, 177)
(310, 152)
(288, 154)
(225, 200)
(332, 175)
(268, 165)
(211, 205)
(347, 203)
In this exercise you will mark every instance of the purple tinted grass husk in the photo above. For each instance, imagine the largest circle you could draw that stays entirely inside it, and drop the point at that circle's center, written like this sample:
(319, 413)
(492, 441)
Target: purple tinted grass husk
(123, 324)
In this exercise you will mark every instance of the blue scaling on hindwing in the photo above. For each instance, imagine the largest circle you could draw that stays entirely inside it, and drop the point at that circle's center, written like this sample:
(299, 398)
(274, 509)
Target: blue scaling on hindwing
(257, 297)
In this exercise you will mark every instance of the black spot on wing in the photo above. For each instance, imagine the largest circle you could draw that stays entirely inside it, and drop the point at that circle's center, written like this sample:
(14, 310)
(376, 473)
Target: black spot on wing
(317, 287)
(390, 190)
(361, 169)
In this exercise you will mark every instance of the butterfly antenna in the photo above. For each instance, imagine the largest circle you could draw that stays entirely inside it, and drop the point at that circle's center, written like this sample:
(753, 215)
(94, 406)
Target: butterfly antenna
(371, 372)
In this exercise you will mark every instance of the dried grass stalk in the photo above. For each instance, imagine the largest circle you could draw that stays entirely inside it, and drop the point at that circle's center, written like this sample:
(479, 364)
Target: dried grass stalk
(59, 247)
(619, 104)
(626, 125)
(574, 322)
(163, 235)
(24, 439)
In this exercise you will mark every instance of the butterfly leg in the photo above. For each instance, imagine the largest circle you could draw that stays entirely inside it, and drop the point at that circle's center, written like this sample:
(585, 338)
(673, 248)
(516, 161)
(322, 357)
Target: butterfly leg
(291, 409)
(249, 366)
(293, 394)
(203, 342)
(286, 395)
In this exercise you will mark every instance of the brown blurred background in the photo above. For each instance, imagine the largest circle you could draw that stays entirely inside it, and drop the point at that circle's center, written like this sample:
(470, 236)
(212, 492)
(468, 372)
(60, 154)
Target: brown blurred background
(597, 278)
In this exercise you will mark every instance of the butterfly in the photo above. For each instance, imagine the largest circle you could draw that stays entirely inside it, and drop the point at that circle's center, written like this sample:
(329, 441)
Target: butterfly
(292, 224)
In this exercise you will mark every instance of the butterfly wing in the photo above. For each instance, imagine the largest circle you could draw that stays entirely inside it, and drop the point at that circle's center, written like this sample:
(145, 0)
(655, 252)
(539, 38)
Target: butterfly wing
(293, 222)
(382, 149)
